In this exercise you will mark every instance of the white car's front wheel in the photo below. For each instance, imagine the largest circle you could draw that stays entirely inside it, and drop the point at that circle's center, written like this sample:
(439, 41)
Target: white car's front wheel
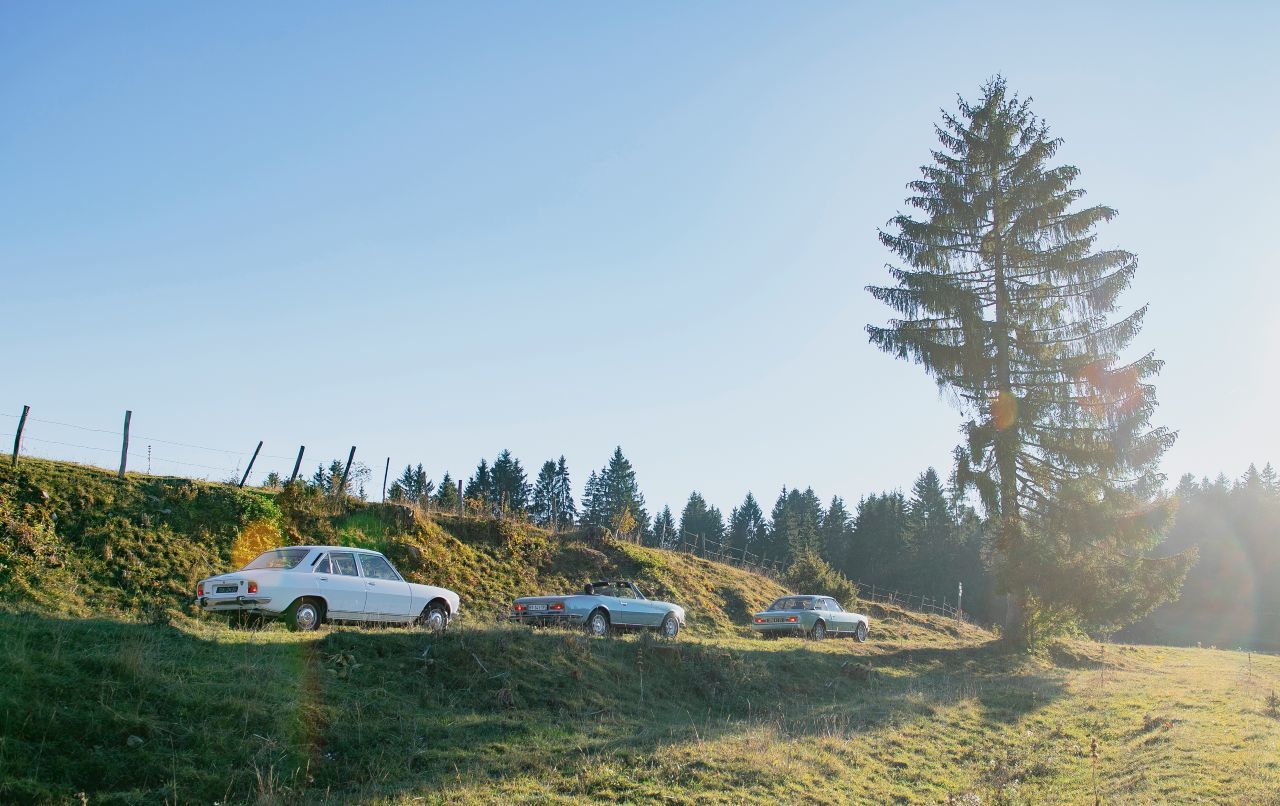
(303, 616)
(436, 619)
(860, 634)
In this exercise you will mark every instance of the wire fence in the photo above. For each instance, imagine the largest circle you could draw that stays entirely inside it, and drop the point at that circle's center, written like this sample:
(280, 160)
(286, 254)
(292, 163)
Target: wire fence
(58, 440)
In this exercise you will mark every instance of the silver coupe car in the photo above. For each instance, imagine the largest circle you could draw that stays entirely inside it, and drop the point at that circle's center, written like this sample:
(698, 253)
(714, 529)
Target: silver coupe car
(615, 604)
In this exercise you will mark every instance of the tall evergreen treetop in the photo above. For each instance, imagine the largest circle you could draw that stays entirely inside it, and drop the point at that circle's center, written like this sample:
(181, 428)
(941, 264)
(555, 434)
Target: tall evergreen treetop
(1006, 302)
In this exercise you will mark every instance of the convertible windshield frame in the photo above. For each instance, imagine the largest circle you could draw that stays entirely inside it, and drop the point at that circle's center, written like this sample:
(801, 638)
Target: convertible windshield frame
(285, 559)
(793, 603)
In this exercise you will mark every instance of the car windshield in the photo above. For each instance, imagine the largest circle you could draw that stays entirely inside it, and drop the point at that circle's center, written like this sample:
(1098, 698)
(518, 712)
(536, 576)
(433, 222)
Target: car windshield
(278, 558)
(792, 603)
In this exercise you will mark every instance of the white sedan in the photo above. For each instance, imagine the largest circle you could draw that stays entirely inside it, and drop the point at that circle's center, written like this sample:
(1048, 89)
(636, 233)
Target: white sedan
(309, 585)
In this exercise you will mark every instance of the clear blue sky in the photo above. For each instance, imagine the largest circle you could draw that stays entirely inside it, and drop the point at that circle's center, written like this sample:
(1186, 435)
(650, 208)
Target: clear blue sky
(437, 231)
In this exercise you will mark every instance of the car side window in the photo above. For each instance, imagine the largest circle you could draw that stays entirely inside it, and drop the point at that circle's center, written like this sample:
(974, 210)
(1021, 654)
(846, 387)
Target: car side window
(344, 564)
(623, 592)
(834, 606)
(377, 567)
(323, 567)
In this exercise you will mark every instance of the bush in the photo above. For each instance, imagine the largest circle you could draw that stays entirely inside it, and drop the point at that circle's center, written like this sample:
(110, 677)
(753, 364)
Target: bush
(809, 573)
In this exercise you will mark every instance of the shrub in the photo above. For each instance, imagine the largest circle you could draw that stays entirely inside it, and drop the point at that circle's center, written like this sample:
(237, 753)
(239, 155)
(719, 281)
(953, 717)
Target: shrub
(809, 573)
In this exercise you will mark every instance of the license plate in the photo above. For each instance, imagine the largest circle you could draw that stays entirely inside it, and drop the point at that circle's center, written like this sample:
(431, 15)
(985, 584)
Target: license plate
(226, 589)
(537, 607)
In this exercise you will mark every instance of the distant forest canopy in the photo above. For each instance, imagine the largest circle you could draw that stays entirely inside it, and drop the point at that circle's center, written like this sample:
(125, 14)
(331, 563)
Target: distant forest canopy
(1231, 597)
(925, 541)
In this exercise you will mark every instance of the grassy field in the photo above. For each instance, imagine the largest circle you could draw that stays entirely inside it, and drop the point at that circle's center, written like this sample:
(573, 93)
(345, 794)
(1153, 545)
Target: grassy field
(134, 712)
(114, 691)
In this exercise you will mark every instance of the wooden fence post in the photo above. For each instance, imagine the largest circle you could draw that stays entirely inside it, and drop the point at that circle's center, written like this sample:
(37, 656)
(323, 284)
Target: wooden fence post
(124, 447)
(385, 471)
(297, 464)
(346, 471)
(252, 459)
(17, 437)
(459, 496)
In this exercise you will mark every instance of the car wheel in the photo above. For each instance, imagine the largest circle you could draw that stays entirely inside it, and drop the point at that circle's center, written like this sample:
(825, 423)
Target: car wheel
(819, 631)
(670, 626)
(860, 634)
(303, 616)
(598, 623)
(435, 619)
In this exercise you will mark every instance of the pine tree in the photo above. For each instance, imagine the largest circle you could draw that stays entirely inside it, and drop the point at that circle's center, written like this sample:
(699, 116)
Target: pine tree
(563, 510)
(1269, 479)
(543, 507)
(593, 501)
(747, 526)
(446, 498)
(480, 487)
(795, 524)
(621, 490)
(835, 530)
(1006, 302)
(701, 522)
(665, 532)
(509, 487)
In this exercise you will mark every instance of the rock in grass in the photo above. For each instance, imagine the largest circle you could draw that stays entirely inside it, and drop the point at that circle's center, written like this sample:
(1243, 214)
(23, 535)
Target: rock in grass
(134, 742)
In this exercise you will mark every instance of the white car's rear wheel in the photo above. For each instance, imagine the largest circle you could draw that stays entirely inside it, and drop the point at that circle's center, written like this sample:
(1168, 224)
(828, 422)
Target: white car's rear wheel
(303, 616)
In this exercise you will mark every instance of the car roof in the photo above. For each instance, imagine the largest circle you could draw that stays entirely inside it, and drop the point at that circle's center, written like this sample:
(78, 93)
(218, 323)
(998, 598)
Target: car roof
(330, 548)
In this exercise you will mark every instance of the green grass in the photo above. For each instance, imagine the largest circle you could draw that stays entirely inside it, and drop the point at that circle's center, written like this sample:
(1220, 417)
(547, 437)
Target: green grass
(115, 690)
(499, 714)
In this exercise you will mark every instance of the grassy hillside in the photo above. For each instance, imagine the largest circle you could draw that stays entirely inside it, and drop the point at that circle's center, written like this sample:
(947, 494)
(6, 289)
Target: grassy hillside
(137, 547)
(114, 692)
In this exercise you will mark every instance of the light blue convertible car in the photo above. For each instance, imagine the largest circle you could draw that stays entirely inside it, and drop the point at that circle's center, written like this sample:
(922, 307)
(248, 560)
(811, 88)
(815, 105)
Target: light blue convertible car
(615, 604)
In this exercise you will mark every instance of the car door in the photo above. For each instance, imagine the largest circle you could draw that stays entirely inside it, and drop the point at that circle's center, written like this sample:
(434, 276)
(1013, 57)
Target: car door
(338, 581)
(648, 613)
(388, 597)
(840, 618)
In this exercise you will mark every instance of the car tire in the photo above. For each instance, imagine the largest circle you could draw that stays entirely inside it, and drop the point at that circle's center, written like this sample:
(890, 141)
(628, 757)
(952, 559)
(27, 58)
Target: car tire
(819, 631)
(860, 632)
(598, 623)
(304, 615)
(435, 618)
(670, 627)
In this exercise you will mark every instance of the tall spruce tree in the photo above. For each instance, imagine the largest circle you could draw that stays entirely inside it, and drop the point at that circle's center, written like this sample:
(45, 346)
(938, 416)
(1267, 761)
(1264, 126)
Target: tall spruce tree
(563, 510)
(836, 530)
(1008, 305)
(665, 532)
(446, 497)
(480, 486)
(543, 504)
(509, 487)
(701, 522)
(747, 526)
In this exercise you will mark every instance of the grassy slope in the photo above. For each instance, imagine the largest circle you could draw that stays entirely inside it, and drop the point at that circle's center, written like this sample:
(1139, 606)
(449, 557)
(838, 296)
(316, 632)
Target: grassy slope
(493, 713)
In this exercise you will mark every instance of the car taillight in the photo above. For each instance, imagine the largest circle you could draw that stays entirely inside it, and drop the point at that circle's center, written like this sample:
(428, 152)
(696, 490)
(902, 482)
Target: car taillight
(791, 618)
(253, 586)
(200, 589)
(520, 608)
(759, 621)
(557, 606)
